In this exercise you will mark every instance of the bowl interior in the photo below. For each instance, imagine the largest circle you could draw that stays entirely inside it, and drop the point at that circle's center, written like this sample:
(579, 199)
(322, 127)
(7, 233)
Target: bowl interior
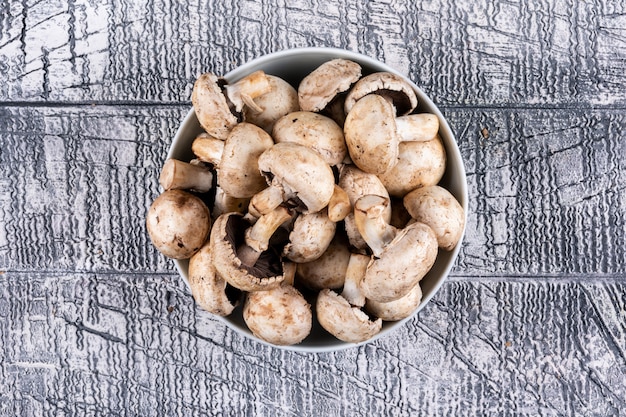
(293, 65)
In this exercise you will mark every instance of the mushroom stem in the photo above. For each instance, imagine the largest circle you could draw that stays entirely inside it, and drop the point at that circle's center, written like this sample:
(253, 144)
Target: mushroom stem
(265, 201)
(179, 175)
(258, 236)
(289, 273)
(339, 205)
(245, 90)
(357, 265)
(420, 127)
(208, 149)
(368, 216)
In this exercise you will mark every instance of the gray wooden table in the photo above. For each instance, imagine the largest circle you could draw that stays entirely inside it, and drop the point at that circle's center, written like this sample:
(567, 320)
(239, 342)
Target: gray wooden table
(532, 320)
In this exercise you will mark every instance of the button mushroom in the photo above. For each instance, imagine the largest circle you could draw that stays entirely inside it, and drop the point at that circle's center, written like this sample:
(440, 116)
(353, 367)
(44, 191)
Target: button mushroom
(210, 291)
(398, 309)
(279, 101)
(315, 131)
(180, 175)
(297, 175)
(281, 315)
(324, 83)
(329, 270)
(388, 85)
(178, 223)
(438, 208)
(213, 107)
(341, 315)
(240, 251)
(310, 236)
(373, 134)
(406, 255)
(236, 160)
(357, 183)
(419, 164)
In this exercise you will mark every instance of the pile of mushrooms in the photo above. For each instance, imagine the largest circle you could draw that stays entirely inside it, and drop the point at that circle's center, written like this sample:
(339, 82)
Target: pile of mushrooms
(316, 203)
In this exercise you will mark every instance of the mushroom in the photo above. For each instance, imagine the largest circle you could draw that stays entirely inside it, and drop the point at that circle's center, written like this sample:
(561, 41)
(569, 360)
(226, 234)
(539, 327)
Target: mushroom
(339, 205)
(279, 101)
(388, 85)
(419, 164)
(240, 251)
(296, 175)
(210, 291)
(315, 131)
(357, 183)
(373, 134)
(178, 223)
(310, 236)
(324, 83)
(329, 270)
(213, 107)
(398, 309)
(438, 208)
(281, 315)
(180, 175)
(401, 257)
(341, 315)
(225, 203)
(237, 160)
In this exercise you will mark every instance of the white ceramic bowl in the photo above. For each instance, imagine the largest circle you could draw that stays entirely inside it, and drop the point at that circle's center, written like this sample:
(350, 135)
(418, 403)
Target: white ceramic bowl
(292, 65)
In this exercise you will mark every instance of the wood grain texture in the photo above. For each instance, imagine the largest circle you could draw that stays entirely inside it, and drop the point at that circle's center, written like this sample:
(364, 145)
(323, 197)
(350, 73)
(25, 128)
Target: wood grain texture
(113, 344)
(547, 189)
(485, 52)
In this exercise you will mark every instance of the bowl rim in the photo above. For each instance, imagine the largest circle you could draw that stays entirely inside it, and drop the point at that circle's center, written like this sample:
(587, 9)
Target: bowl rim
(452, 149)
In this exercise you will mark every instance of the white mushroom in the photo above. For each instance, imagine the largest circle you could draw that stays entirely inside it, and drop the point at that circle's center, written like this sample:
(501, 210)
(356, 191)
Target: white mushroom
(341, 315)
(279, 101)
(419, 164)
(398, 309)
(178, 223)
(180, 175)
(356, 184)
(388, 85)
(329, 270)
(318, 132)
(310, 236)
(404, 254)
(438, 208)
(373, 135)
(297, 175)
(210, 291)
(324, 83)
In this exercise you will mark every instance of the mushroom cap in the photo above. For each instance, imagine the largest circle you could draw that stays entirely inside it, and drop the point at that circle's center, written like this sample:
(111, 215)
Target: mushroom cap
(439, 209)
(329, 270)
(279, 101)
(398, 309)
(402, 264)
(227, 235)
(346, 323)
(305, 179)
(371, 136)
(211, 107)
(238, 173)
(310, 236)
(419, 164)
(315, 131)
(357, 183)
(280, 316)
(208, 289)
(178, 223)
(385, 84)
(332, 77)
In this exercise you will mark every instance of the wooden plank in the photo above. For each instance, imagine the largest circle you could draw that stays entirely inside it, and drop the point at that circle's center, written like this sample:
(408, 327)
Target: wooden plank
(547, 188)
(114, 344)
(475, 53)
